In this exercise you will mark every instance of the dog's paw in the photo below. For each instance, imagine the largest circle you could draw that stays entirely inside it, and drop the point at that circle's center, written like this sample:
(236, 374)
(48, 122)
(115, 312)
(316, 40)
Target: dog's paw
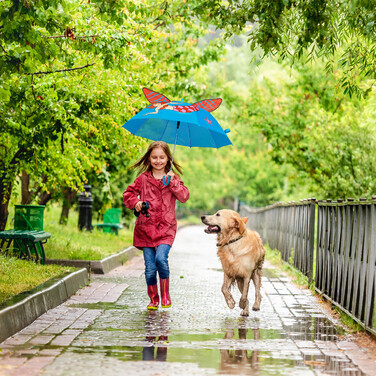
(256, 307)
(242, 303)
(245, 312)
(230, 302)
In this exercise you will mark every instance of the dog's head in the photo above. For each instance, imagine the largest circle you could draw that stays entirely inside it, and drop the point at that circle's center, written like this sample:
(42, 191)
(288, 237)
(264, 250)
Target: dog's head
(224, 221)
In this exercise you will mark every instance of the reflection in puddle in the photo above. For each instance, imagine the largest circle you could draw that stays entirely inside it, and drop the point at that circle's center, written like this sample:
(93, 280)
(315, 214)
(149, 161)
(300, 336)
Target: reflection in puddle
(156, 326)
(241, 347)
(150, 353)
(239, 361)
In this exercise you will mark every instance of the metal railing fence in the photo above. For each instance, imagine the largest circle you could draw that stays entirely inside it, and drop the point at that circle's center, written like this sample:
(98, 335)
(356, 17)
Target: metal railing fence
(346, 256)
(345, 248)
(288, 227)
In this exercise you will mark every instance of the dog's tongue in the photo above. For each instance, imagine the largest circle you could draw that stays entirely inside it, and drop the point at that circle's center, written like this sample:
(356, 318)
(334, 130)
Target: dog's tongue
(211, 229)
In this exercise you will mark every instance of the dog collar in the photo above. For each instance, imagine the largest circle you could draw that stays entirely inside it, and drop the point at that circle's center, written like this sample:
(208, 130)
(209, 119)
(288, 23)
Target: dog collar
(231, 241)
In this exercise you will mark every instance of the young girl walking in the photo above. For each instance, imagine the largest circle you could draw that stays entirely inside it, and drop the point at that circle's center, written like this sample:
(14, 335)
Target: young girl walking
(155, 229)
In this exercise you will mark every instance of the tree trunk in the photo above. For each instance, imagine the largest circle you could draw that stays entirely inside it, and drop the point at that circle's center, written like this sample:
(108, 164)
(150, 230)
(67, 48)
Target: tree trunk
(25, 188)
(44, 198)
(9, 171)
(68, 201)
(5, 193)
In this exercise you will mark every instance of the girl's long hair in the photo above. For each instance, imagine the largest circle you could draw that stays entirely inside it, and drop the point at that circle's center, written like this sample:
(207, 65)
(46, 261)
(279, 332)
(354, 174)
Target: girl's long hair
(144, 162)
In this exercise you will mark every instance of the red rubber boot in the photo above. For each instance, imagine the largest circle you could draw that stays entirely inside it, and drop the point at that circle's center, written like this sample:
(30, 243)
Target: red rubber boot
(165, 293)
(154, 297)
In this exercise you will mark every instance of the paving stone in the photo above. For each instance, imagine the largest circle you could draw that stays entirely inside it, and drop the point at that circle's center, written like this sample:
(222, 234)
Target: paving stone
(41, 340)
(33, 366)
(305, 344)
(64, 339)
(347, 345)
(310, 351)
(17, 339)
(12, 361)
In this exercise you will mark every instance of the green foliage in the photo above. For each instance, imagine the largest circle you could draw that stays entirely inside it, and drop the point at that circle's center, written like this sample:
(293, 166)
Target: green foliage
(326, 136)
(71, 74)
(74, 75)
(347, 320)
(342, 31)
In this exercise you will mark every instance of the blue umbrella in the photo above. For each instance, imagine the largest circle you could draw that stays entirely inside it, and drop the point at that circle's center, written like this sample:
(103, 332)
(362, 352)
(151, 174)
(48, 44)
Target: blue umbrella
(179, 123)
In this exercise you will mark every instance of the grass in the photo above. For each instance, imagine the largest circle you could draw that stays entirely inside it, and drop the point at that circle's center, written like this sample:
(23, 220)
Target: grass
(274, 257)
(351, 324)
(18, 275)
(67, 242)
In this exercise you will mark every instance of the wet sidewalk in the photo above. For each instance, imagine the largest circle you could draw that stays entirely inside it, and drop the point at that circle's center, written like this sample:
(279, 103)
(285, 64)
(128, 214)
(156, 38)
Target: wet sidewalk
(105, 329)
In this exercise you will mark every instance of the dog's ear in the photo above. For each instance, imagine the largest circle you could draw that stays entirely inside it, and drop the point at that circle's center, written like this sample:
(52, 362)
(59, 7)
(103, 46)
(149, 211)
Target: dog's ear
(240, 224)
(245, 220)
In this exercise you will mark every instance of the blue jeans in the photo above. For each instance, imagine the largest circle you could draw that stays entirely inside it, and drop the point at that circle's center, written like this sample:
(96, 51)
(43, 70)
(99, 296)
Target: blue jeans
(156, 259)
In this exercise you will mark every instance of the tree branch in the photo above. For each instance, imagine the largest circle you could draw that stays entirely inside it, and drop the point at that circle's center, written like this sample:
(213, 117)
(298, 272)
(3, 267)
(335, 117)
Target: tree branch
(60, 70)
(3, 48)
(160, 24)
(67, 36)
(35, 97)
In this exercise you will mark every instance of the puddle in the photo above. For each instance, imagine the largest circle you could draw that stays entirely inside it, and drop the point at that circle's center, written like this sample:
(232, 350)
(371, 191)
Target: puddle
(220, 361)
(238, 346)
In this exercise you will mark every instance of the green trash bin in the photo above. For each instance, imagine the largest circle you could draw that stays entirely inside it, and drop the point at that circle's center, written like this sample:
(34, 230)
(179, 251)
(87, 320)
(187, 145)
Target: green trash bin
(28, 217)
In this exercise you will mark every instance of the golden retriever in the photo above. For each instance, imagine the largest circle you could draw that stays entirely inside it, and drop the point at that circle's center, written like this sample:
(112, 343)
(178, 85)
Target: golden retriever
(241, 253)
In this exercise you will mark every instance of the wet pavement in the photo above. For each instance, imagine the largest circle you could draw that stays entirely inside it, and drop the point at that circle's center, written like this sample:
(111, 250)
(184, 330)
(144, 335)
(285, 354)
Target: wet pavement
(105, 328)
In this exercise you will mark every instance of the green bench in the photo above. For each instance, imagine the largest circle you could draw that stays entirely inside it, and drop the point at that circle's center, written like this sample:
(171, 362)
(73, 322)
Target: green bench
(26, 244)
(111, 221)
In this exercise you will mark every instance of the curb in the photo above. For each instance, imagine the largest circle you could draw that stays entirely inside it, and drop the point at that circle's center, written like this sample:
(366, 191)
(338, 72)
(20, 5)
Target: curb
(21, 314)
(99, 267)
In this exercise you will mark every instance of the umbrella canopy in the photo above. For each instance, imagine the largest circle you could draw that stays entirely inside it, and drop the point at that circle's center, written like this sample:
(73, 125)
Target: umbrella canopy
(179, 122)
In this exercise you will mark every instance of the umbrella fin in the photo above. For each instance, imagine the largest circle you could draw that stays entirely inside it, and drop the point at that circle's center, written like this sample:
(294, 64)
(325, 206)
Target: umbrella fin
(154, 97)
(209, 104)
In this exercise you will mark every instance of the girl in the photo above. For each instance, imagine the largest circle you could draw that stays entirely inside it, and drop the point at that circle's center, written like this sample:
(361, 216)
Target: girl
(155, 233)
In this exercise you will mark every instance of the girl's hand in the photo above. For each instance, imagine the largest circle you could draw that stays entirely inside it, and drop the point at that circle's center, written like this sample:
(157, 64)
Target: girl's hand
(138, 206)
(170, 173)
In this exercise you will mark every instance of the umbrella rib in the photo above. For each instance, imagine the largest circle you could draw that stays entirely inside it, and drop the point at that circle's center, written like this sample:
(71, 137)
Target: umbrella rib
(141, 124)
(189, 135)
(164, 130)
(213, 140)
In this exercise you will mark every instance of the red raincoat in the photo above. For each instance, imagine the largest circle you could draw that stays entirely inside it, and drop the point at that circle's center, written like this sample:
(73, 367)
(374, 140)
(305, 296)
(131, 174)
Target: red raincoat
(160, 227)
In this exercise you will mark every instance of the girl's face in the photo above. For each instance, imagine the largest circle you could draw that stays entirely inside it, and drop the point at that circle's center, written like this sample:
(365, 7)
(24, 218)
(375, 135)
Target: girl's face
(158, 159)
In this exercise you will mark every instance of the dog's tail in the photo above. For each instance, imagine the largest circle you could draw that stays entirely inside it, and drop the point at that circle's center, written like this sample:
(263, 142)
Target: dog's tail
(260, 263)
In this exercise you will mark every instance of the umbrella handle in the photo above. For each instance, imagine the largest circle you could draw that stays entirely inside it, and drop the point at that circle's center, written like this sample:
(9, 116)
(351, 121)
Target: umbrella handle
(172, 160)
(168, 180)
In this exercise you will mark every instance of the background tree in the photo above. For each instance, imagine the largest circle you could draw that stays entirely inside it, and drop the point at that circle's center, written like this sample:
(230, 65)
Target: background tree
(327, 137)
(71, 74)
(342, 31)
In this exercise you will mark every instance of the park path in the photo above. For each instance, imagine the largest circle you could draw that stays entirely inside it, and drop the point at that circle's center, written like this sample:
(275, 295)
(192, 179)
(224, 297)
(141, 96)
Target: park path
(105, 329)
